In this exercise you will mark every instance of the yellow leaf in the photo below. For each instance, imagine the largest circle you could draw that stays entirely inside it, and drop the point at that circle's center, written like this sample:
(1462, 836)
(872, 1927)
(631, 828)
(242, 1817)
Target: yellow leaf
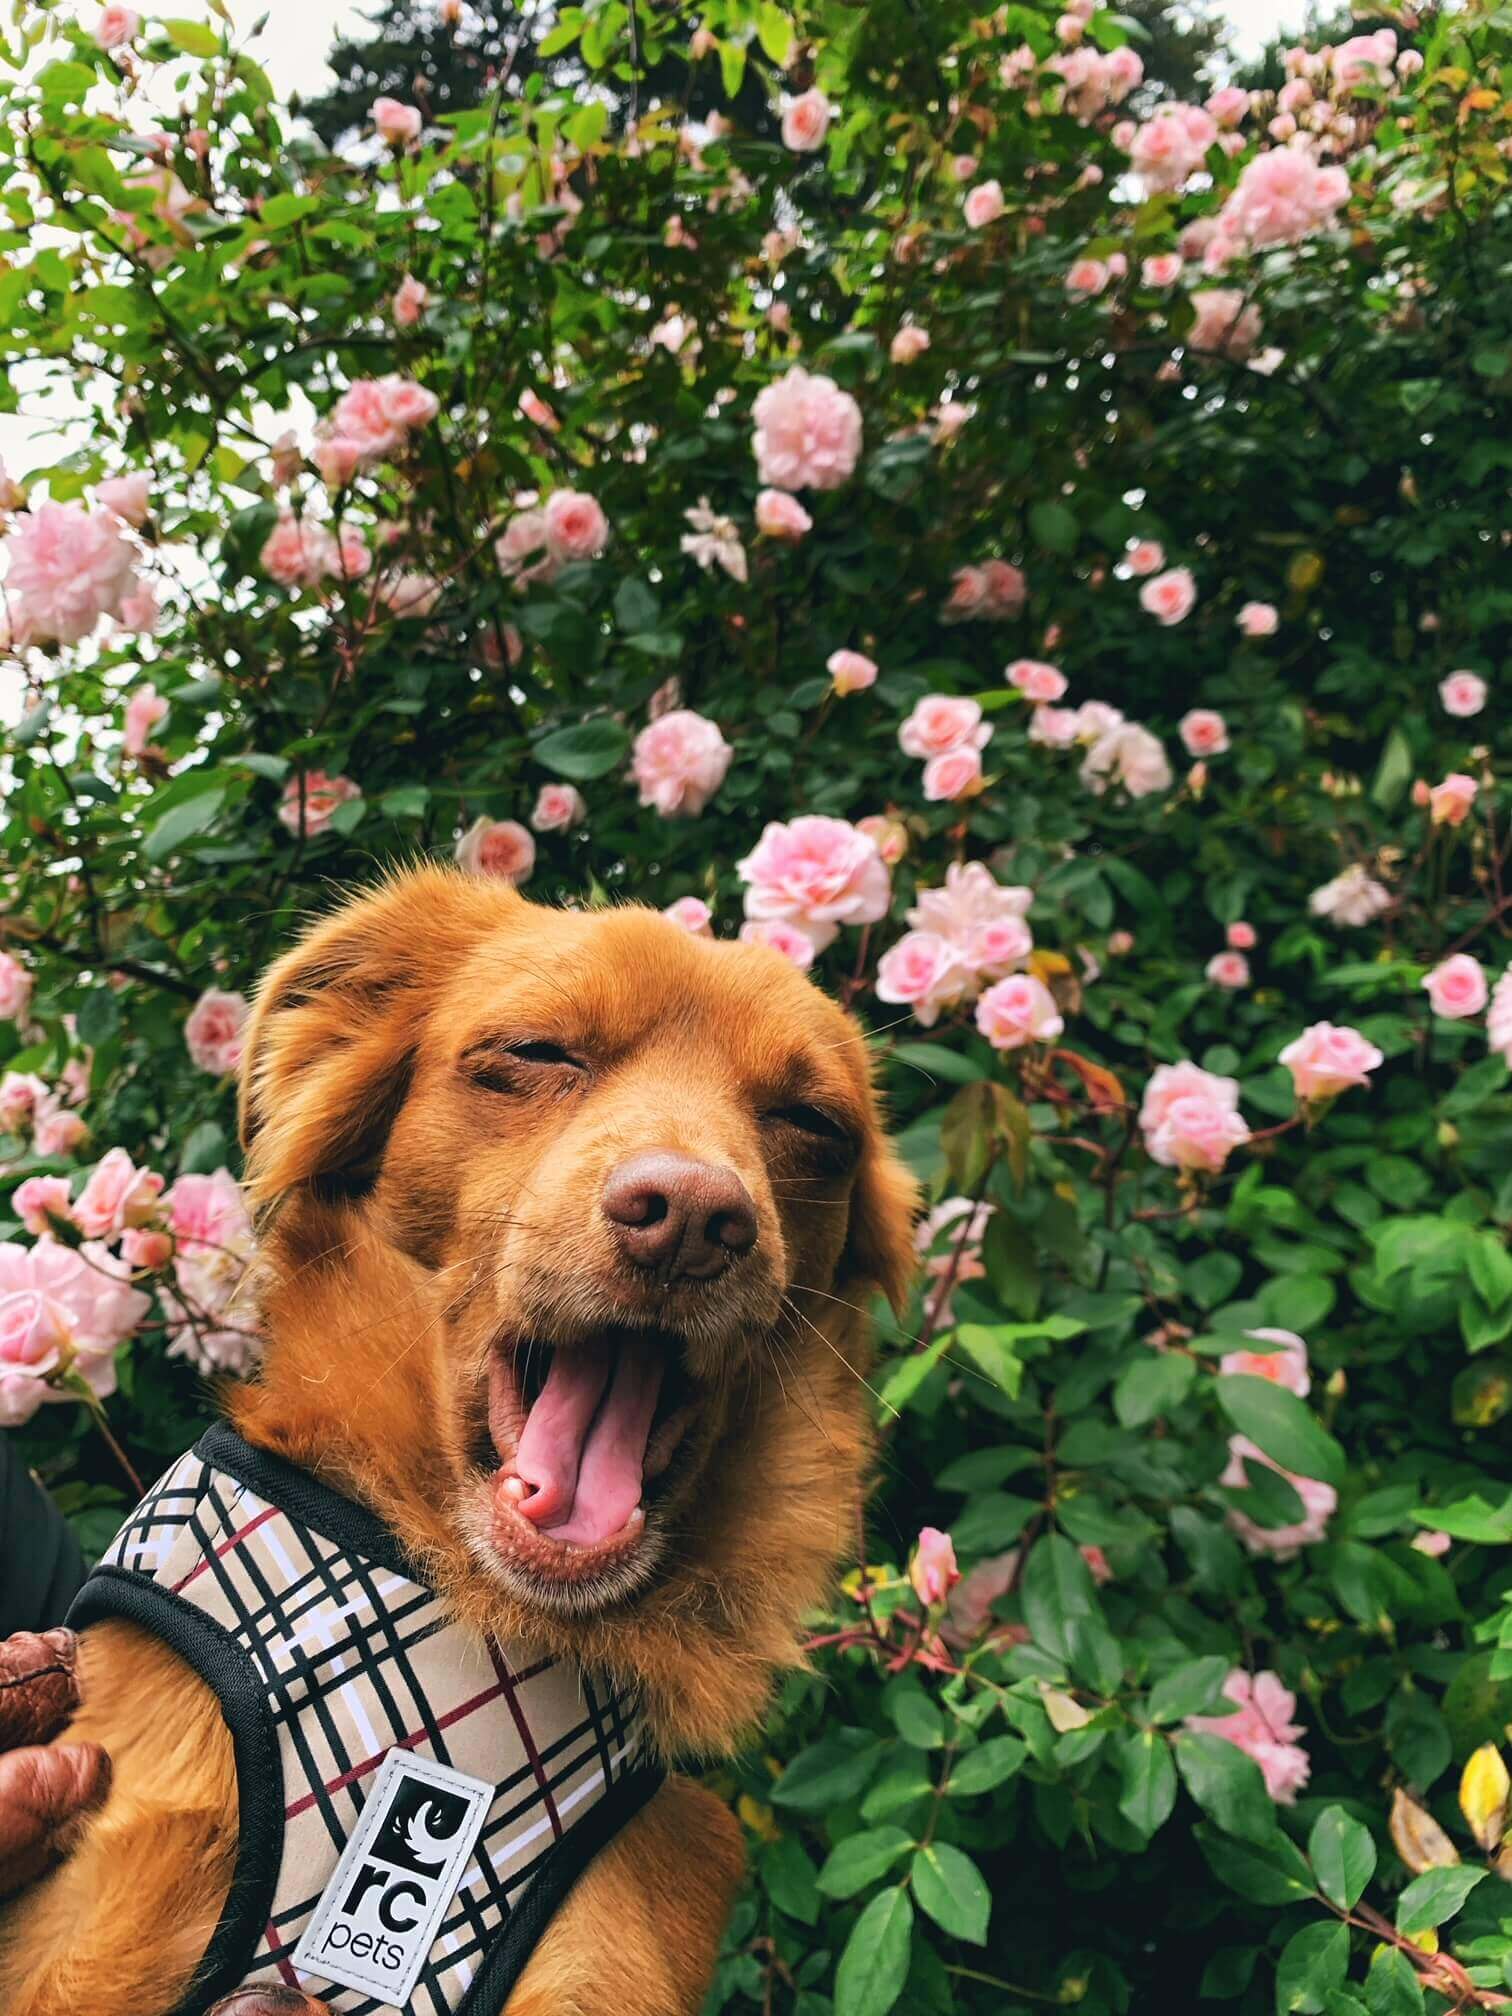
(1305, 572)
(1065, 1713)
(1417, 1836)
(1425, 1942)
(1483, 1791)
(759, 1818)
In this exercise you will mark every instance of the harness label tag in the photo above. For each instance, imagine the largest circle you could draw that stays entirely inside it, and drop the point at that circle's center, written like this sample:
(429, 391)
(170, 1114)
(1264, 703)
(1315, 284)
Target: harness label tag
(379, 1915)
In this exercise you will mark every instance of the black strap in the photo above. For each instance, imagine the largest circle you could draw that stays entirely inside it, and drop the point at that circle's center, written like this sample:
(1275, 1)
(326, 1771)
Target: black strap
(282, 1483)
(220, 1662)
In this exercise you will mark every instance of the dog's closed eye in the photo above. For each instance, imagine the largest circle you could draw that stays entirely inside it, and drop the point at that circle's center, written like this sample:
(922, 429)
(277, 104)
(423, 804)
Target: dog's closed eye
(812, 1131)
(502, 1065)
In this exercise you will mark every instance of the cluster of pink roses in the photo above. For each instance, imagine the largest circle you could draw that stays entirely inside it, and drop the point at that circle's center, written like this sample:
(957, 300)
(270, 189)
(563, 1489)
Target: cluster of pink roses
(371, 422)
(967, 934)
(993, 591)
(947, 733)
(1171, 145)
(67, 1303)
(301, 552)
(28, 1105)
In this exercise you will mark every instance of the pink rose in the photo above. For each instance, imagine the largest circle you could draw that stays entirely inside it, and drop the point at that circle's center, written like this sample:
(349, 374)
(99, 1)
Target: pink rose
(558, 808)
(68, 568)
(576, 528)
(56, 1299)
(805, 121)
(1281, 197)
(851, 671)
(808, 433)
(207, 1214)
(1450, 802)
(1036, 680)
(968, 595)
(1258, 619)
(1457, 987)
(1017, 1011)
(933, 1571)
(1283, 1542)
(1263, 1729)
(1498, 1026)
(214, 1031)
(968, 1611)
(1087, 277)
(1145, 557)
(363, 418)
(1128, 755)
(692, 915)
(407, 404)
(139, 610)
(1432, 1543)
(117, 1195)
(338, 459)
(1226, 326)
(1198, 1133)
(984, 205)
(924, 972)
(1163, 270)
(956, 773)
(295, 553)
(1463, 694)
(679, 762)
(1228, 969)
(143, 1247)
(1241, 936)
(1169, 597)
(941, 722)
(1203, 733)
(1284, 1364)
(1170, 1083)
(310, 801)
(1228, 105)
(1005, 588)
(1097, 1562)
(126, 496)
(780, 516)
(57, 1131)
(1352, 898)
(40, 1200)
(890, 835)
(22, 1093)
(1053, 727)
(778, 936)
(15, 989)
(411, 597)
(817, 873)
(116, 27)
(535, 409)
(980, 916)
(909, 344)
(501, 848)
(411, 299)
(398, 124)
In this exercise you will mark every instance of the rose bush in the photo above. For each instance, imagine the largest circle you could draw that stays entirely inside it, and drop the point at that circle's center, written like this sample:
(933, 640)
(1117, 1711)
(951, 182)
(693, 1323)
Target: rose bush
(1034, 555)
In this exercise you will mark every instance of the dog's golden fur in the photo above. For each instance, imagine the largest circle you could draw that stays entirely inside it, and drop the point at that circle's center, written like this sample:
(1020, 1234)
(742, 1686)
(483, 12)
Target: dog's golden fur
(410, 1215)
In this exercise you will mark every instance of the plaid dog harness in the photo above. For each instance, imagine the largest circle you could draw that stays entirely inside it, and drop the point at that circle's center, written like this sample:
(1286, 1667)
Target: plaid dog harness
(415, 1800)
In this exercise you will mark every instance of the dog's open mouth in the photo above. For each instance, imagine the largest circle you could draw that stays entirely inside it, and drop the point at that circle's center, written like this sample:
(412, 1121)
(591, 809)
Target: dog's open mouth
(582, 1434)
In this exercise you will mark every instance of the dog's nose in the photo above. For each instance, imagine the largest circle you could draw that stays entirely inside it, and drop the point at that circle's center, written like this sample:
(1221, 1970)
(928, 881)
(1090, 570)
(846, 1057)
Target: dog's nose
(682, 1219)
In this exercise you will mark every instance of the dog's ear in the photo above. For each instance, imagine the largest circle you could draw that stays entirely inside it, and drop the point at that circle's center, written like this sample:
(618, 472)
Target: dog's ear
(330, 1044)
(879, 1247)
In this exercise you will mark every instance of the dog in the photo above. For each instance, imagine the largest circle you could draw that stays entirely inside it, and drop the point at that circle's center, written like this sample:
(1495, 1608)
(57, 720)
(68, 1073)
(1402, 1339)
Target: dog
(567, 1224)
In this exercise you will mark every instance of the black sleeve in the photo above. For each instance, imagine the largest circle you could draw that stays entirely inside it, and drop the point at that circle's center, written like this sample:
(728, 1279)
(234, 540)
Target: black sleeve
(41, 1566)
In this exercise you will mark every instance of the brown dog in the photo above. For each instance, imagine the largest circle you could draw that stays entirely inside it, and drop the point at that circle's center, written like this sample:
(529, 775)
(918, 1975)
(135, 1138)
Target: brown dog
(503, 1155)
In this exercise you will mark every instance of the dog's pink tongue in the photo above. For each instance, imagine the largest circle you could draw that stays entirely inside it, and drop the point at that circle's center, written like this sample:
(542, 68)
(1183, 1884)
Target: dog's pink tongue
(584, 1449)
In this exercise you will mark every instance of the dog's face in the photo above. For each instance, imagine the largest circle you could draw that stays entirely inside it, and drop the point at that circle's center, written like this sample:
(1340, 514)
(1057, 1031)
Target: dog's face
(641, 1168)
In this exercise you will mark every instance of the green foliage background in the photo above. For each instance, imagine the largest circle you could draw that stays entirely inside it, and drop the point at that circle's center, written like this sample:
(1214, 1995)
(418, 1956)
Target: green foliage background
(1036, 1826)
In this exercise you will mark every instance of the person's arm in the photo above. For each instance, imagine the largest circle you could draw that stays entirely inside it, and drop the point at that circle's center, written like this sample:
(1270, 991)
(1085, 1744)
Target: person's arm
(43, 1785)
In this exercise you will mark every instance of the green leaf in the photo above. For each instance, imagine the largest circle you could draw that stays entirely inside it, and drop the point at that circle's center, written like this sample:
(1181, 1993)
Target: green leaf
(788, 1875)
(584, 751)
(1052, 527)
(1147, 1781)
(1193, 1689)
(916, 1718)
(204, 1151)
(1274, 1874)
(1343, 1857)
(1227, 1785)
(1277, 1422)
(874, 1965)
(1471, 1518)
(950, 1887)
(1417, 1737)
(1434, 1896)
(1392, 1987)
(99, 1015)
(1154, 1384)
(195, 38)
(1394, 772)
(861, 1859)
(988, 1765)
(182, 822)
(1058, 1591)
(775, 32)
(987, 1348)
(829, 1772)
(1313, 1964)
